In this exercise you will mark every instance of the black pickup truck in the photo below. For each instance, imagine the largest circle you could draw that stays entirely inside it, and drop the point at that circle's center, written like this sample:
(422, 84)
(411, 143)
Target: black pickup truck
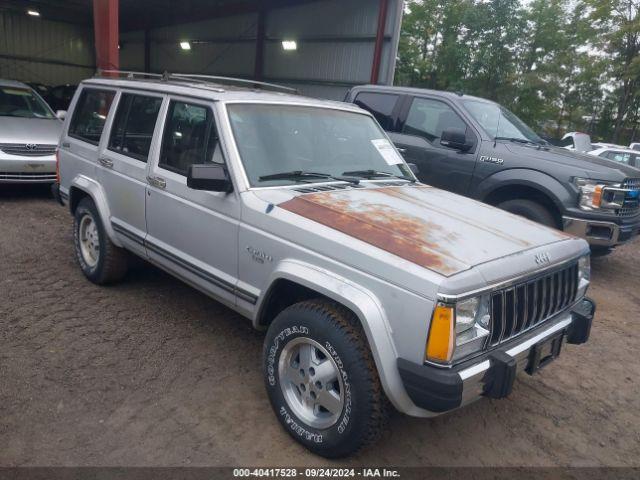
(477, 148)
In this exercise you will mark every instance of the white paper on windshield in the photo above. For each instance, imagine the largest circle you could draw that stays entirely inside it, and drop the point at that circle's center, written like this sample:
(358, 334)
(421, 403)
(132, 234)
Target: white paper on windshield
(387, 151)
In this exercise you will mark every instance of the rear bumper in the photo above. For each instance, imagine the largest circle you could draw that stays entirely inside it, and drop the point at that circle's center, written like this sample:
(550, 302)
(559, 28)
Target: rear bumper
(601, 233)
(61, 197)
(438, 390)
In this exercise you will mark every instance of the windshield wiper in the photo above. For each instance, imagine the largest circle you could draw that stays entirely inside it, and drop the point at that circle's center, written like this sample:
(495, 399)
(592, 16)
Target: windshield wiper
(516, 140)
(301, 174)
(376, 173)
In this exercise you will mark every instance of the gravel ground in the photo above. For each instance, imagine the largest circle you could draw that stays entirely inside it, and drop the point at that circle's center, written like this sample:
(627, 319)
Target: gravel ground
(152, 373)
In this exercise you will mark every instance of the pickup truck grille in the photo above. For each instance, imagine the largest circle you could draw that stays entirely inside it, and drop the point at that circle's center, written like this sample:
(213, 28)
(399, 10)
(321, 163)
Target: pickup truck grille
(631, 206)
(28, 149)
(521, 307)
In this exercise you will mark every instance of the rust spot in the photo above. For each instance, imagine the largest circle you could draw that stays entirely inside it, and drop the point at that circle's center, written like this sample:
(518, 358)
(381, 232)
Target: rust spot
(382, 226)
(401, 193)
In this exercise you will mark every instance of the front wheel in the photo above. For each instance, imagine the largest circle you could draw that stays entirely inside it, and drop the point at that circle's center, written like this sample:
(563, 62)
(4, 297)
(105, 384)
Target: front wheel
(530, 210)
(321, 379)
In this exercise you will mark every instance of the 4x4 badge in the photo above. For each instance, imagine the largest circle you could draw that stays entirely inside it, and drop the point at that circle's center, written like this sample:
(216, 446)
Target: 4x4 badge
(258, 255)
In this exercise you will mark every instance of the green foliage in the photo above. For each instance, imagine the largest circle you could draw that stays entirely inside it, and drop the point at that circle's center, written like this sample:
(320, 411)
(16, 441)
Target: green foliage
(560, 65)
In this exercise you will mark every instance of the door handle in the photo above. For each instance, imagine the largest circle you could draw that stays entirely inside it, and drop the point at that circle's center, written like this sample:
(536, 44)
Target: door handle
(157, 182)
(105, 162)
(402, 150)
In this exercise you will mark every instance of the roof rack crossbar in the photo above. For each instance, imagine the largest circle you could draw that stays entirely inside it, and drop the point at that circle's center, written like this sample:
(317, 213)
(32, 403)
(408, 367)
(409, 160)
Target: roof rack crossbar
(198, 78)
(274, 86)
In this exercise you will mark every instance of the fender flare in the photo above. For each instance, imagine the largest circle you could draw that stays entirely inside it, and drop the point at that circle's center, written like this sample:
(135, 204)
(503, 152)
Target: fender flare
(96, 192)
(370, 313)
(545, 184)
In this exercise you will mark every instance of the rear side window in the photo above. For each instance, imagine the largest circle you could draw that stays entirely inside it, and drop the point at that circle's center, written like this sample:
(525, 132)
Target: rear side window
(189, 138)
(134, 124)
(429, 118)
(90, 114)
(381, 105)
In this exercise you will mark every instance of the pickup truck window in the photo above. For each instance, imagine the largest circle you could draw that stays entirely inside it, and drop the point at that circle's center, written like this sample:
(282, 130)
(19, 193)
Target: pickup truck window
(190, 138)
(273, 139)
(90, 115)
(429, 118)
(499, 122)
(134, 124)
(381, 105)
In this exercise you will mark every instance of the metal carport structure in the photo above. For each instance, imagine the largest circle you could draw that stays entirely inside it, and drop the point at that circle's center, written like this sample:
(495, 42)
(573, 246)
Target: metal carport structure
(339, 43)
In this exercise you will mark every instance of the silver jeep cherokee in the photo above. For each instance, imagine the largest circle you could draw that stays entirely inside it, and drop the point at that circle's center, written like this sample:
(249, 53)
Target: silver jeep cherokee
(301, 215)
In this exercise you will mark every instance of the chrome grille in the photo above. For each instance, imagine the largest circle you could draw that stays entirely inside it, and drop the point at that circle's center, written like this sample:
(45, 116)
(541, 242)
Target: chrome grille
(631, 205)
(27, 176)
(28, 149)
(632, 183)
(521, 307)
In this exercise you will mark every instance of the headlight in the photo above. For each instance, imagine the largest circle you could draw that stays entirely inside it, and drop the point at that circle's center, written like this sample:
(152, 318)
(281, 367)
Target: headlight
(458, 331)
(595, 196)
(584, 275)
(472, 325)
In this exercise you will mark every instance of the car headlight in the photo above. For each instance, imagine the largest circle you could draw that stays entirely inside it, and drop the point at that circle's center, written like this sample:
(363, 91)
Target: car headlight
(584, 275)
(459, 330)
(594, 194)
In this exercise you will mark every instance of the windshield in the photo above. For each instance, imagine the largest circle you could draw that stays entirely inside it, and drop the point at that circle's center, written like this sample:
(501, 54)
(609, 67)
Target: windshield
(22, 102)
(499, 122)
(309, 143)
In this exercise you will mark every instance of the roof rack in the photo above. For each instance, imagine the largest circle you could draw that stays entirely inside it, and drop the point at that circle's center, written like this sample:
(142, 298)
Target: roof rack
(188, 77)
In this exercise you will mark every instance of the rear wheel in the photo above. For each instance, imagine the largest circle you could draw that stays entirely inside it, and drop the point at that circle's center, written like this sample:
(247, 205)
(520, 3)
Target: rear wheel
(531, 210)
(321, 379)
(100, 260)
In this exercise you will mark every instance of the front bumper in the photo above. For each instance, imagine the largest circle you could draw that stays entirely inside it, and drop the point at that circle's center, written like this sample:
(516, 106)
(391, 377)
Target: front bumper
(438, 390)
(601, 233)
(18, 169)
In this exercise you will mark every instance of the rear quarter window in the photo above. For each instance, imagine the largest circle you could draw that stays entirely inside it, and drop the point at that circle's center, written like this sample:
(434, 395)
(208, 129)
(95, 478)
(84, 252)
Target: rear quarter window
(91, 114)
(381, 105)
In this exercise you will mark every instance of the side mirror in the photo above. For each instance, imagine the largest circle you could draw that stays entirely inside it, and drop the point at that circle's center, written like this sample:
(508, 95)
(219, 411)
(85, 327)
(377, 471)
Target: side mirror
(209, 177)
(455, 138)
(61, 114)
(414, 168)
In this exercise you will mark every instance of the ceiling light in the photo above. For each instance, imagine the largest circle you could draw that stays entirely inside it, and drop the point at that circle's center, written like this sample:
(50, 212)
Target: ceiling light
(185, 45)
(33, 13)
(289, 45)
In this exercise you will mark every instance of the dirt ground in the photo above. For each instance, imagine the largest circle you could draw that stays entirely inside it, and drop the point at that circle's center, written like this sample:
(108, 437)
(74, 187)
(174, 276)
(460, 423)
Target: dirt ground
(152, 373)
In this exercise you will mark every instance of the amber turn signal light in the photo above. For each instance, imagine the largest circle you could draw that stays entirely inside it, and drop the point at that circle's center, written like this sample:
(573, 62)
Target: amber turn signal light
(441, 334)
(597, 195)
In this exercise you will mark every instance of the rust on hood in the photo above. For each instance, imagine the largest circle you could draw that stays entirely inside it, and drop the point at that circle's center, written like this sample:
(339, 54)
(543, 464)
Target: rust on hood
(379, 224)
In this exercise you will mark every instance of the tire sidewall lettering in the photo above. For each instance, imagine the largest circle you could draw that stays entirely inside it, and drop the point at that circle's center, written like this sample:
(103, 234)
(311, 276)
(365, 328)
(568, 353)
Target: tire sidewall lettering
(290, 420)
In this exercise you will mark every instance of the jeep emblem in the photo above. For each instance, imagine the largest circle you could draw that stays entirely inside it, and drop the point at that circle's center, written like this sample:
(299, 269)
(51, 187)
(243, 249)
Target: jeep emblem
(542, 258)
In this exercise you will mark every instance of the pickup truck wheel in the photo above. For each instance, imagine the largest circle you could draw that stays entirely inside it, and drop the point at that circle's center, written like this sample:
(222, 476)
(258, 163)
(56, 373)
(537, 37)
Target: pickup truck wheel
(321, 379)
(100, 260)
(531, 210)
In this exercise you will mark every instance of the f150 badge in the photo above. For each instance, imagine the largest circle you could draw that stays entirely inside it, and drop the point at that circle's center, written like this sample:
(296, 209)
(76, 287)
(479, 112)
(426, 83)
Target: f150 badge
(487, 159)
(542, 258)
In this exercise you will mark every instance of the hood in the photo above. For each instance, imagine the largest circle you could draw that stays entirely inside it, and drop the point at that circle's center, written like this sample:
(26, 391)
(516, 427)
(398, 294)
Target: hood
(432, 228)
(585, 165)
(30, 130)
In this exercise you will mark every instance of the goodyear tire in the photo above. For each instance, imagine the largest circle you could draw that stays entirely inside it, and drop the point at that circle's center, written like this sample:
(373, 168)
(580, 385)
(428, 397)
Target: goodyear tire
(321, 379)
(100, 260)
(530, 210)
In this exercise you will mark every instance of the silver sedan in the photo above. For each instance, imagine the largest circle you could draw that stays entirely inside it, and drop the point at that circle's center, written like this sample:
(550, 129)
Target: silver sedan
(29, 133)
